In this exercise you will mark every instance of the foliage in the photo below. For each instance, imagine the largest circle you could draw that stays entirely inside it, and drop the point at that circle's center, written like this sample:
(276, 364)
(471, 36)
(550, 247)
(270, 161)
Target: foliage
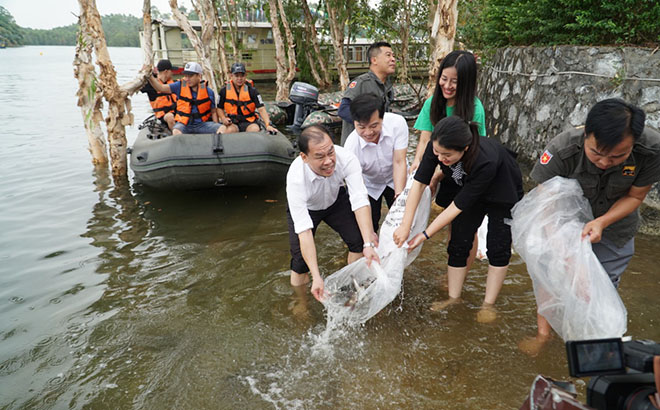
(496, 23)
(10, 33)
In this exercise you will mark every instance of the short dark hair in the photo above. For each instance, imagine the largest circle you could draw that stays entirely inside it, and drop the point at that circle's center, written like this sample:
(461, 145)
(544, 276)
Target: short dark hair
(316, 133)
(455, 133)
(374, 49)
(364, 105)
(613, 119)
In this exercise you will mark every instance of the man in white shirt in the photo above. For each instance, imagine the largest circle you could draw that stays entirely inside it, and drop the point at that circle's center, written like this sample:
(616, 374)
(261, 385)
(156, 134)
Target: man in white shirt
(380, 142)
(315, 192)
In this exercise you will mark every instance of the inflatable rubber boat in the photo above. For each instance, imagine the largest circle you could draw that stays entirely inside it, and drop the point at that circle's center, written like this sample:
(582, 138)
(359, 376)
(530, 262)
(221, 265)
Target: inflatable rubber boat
(199, 161)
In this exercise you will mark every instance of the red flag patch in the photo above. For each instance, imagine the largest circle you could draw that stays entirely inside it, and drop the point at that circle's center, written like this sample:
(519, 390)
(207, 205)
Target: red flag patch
(352, 84)
(546, 157)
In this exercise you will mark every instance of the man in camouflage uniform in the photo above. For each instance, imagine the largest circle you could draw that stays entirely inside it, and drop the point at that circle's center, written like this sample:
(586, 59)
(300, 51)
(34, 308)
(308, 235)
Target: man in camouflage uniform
(382, 65)
(616, 160)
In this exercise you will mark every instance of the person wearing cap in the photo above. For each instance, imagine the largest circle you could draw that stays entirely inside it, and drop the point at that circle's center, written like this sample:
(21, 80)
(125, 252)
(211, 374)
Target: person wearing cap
(616, 160)
(382, 65)
(238, 104)
(195, 104)
(163, 104)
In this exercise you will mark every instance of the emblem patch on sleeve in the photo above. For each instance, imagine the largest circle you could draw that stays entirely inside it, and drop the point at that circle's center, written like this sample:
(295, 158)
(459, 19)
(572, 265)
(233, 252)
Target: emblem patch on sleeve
(628, 171)
(352, 84)
(546, 157)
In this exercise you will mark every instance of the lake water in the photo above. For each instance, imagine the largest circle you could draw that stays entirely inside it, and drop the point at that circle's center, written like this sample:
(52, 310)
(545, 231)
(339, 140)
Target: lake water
(118, 297)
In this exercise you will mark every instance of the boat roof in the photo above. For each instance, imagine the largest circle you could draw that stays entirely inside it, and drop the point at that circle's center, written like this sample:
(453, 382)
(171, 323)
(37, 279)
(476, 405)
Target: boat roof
(196, 24)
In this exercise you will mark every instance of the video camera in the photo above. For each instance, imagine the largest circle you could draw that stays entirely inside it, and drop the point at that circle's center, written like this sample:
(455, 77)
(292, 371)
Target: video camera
(626, 375)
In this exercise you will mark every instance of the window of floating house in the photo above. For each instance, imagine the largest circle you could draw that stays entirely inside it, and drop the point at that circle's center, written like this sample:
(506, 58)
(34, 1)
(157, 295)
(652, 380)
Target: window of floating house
(268, 39)
(252, 41)
(359, 54)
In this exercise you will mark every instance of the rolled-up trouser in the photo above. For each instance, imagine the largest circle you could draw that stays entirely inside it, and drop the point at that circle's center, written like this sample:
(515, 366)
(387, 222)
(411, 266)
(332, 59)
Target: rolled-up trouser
(466, 224)
(339, 217)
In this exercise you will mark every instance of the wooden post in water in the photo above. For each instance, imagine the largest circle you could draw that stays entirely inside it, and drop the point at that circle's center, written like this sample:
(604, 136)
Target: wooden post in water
(119, 105)
(443, 32)
(285, 73)
(90, 97)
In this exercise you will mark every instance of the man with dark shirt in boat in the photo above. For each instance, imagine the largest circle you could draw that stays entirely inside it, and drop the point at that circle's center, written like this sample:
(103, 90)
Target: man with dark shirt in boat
(163, 104)
(238, 103)
(195, 105)
(377, 80)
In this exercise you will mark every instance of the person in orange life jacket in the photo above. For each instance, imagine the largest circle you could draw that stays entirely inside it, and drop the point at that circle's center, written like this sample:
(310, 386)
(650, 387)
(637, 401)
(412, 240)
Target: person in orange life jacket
(163, 104)
(237, 103)
(195, 105)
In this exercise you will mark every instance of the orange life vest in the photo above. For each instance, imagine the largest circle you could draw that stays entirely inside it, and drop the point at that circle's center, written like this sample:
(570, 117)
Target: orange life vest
(240, 108)
(186, 102)
(164, 103)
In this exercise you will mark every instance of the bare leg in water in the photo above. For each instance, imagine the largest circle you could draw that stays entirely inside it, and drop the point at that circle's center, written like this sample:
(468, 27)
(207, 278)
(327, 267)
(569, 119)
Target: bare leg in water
(299, 305)
(533, 345)
(456, 277)
(494, 281)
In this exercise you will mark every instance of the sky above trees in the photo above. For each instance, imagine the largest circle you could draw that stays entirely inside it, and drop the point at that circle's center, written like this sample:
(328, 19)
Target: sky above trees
(48, 14)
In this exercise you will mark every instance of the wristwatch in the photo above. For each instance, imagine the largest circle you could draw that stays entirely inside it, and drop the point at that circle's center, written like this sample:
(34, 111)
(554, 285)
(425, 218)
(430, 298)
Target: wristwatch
(368, 245)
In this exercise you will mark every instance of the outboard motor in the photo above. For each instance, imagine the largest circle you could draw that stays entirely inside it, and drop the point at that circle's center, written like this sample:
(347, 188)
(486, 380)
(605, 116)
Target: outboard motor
(305, 97)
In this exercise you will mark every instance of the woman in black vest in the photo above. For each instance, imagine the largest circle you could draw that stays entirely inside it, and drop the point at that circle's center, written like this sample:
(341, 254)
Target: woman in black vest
(490, 184)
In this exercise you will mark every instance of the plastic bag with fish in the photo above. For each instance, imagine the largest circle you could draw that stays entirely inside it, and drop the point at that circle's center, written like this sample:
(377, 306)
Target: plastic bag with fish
(573, 291)
(357, 292)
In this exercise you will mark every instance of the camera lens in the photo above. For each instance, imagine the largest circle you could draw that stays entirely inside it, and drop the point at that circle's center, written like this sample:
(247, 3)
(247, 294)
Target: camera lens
(639, 399)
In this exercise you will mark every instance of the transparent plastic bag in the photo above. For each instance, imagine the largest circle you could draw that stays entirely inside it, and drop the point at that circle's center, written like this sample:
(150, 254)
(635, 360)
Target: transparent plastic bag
(573, 291)
(482, 234)
(357, 292)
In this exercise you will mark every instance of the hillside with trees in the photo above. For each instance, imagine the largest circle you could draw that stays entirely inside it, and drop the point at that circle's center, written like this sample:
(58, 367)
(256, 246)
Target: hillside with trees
(10, 33)
(120, 31)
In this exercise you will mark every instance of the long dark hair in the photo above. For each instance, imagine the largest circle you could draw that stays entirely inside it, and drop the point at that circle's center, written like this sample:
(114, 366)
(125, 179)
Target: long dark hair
(466, 73)
(455, 133)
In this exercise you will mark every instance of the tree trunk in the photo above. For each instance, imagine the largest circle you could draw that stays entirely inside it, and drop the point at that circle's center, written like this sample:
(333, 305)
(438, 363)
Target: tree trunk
(291, 51)
(284, 76)
(202, 46)
(443, 31)
(337, 24)
(206, 13)
(220, 45)
(402, 71)
(312, 67)
(136, 84)
(90, 97)
(310, 29)
(232, 25)
(119, 105)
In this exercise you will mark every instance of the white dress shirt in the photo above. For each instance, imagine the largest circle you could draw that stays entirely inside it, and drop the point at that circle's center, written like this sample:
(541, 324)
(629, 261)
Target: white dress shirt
(307, 191)
(376, 160)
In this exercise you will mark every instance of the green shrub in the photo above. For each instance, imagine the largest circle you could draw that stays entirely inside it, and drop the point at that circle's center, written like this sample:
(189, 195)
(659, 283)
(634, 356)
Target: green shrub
(548, 22)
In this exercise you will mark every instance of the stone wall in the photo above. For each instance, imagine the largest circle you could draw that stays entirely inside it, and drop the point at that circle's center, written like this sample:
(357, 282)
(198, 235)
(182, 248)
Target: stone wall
(531, 94)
